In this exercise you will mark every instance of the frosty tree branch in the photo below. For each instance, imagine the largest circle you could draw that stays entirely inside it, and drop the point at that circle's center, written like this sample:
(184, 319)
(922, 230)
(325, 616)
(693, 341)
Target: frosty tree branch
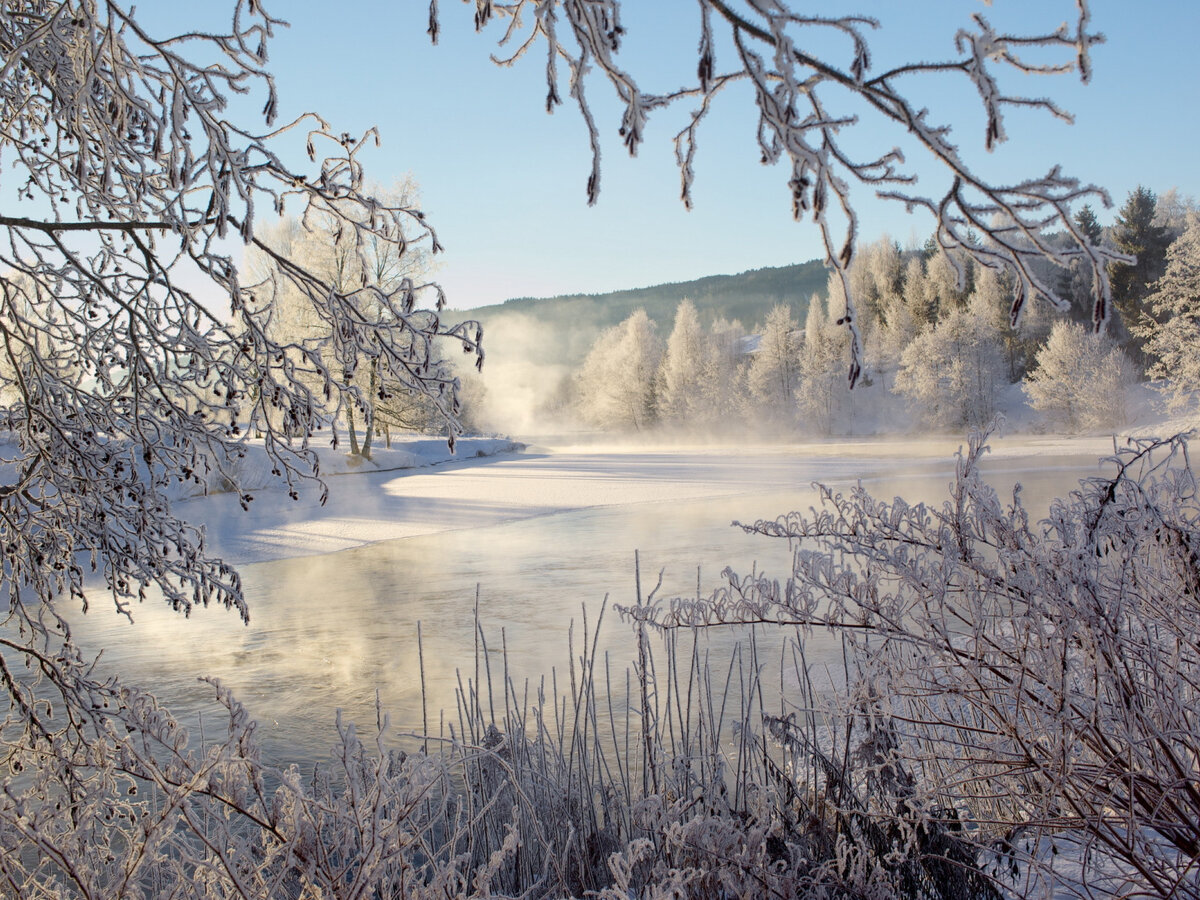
(120, 374)
(807, 102)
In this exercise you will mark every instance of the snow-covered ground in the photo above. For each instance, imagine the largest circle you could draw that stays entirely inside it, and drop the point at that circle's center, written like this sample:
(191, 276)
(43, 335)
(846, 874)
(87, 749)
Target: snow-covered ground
(365, 504)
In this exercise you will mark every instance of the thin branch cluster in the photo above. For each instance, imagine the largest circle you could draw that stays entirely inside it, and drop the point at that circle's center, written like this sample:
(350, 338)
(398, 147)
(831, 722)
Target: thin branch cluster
(812, 102)
(1029, 681)
(132, 357)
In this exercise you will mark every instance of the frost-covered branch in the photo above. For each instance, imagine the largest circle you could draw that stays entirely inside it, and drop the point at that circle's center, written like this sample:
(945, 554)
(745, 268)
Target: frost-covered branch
(135, 360)
(813, 103)
(132, 356)
(1036, 678)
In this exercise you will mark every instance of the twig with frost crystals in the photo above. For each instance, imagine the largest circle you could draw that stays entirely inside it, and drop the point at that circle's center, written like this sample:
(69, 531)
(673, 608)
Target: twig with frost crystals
(120, 375)
(808, 101)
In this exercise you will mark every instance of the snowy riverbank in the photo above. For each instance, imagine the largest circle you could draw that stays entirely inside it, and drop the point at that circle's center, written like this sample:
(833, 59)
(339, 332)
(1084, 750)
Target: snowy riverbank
(417, 487)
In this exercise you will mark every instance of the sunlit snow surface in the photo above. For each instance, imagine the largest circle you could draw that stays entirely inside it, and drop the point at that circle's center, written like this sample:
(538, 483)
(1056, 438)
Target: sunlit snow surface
(418, 487)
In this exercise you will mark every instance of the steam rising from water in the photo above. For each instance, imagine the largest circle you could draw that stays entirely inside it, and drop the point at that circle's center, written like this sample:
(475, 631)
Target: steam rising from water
(552, 533)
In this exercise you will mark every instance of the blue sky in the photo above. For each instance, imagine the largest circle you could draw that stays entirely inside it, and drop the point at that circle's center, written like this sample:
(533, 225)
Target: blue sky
(504, 182)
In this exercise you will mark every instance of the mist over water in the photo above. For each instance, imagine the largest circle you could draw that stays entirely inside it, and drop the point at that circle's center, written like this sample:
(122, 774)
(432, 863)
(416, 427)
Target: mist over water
(328, 631)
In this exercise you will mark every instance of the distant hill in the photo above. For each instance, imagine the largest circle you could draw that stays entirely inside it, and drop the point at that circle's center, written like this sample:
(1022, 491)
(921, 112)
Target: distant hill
(570, 323)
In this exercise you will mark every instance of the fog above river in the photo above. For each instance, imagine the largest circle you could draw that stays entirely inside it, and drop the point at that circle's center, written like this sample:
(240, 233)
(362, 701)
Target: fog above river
(536, 536)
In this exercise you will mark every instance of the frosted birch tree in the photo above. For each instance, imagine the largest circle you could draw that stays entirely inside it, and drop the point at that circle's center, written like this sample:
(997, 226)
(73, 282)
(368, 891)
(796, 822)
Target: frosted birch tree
(725, 375)
(822, 392)
(775, 366)
(615, 386)
(320, 241)
(952, 373)
(136, 358)
(682, 376)
(128, 377)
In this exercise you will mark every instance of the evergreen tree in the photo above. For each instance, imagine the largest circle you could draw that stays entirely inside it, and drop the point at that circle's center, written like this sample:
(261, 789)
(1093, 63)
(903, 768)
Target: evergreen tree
(1089, 224)
(1172, 330)
(1136, 234)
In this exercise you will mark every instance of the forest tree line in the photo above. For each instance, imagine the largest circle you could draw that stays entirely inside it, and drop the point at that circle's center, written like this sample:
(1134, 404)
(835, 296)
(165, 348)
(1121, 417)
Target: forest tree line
(937, 332)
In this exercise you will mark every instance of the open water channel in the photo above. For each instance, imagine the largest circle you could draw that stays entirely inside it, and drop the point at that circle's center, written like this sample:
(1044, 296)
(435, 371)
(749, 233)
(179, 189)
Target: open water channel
(551, 532)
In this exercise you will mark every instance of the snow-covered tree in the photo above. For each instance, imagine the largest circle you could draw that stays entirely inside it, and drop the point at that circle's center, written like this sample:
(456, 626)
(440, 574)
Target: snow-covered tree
(1172, 333)
(948, 282)
(816, 92)
(1173, 210)
(822, 390)
(1089, 225)
(1080, 379)
(134, 357)
(725, 388)
(775, 366)
(615, 386)
(952, 373)
(319, 241)
(128, 375)
(682, 375)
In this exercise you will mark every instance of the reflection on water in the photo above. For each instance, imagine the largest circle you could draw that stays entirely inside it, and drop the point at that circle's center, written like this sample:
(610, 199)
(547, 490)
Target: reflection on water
(328, 631)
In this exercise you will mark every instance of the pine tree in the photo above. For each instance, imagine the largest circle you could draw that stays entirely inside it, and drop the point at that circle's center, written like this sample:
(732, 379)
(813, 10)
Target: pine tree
(1136, 234)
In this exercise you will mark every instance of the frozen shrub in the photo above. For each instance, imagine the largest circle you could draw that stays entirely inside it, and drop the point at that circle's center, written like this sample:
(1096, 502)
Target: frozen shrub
(1020, 680)
(1080, 379)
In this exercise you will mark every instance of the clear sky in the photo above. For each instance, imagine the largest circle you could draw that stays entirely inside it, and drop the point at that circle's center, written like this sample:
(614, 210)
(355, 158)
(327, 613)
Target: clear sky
(504, 183)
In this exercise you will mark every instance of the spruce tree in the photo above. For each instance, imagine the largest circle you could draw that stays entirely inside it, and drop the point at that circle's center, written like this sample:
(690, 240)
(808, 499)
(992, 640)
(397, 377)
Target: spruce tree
(1089, 224)
(1136, 234)
(1172, 324)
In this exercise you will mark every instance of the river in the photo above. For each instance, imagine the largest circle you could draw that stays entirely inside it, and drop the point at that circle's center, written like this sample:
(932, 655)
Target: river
(531, 541)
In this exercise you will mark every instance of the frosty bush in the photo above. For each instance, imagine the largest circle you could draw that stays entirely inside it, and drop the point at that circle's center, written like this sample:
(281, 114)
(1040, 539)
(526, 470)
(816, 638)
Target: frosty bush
(1080, 380)
(1019, 680)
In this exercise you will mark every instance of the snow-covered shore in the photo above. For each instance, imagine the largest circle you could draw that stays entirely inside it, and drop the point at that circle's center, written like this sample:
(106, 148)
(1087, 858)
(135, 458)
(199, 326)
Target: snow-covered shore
(418, 487)
(365, 504)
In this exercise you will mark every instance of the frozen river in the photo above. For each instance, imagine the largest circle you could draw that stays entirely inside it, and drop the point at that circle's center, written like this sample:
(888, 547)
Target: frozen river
(538, 536)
